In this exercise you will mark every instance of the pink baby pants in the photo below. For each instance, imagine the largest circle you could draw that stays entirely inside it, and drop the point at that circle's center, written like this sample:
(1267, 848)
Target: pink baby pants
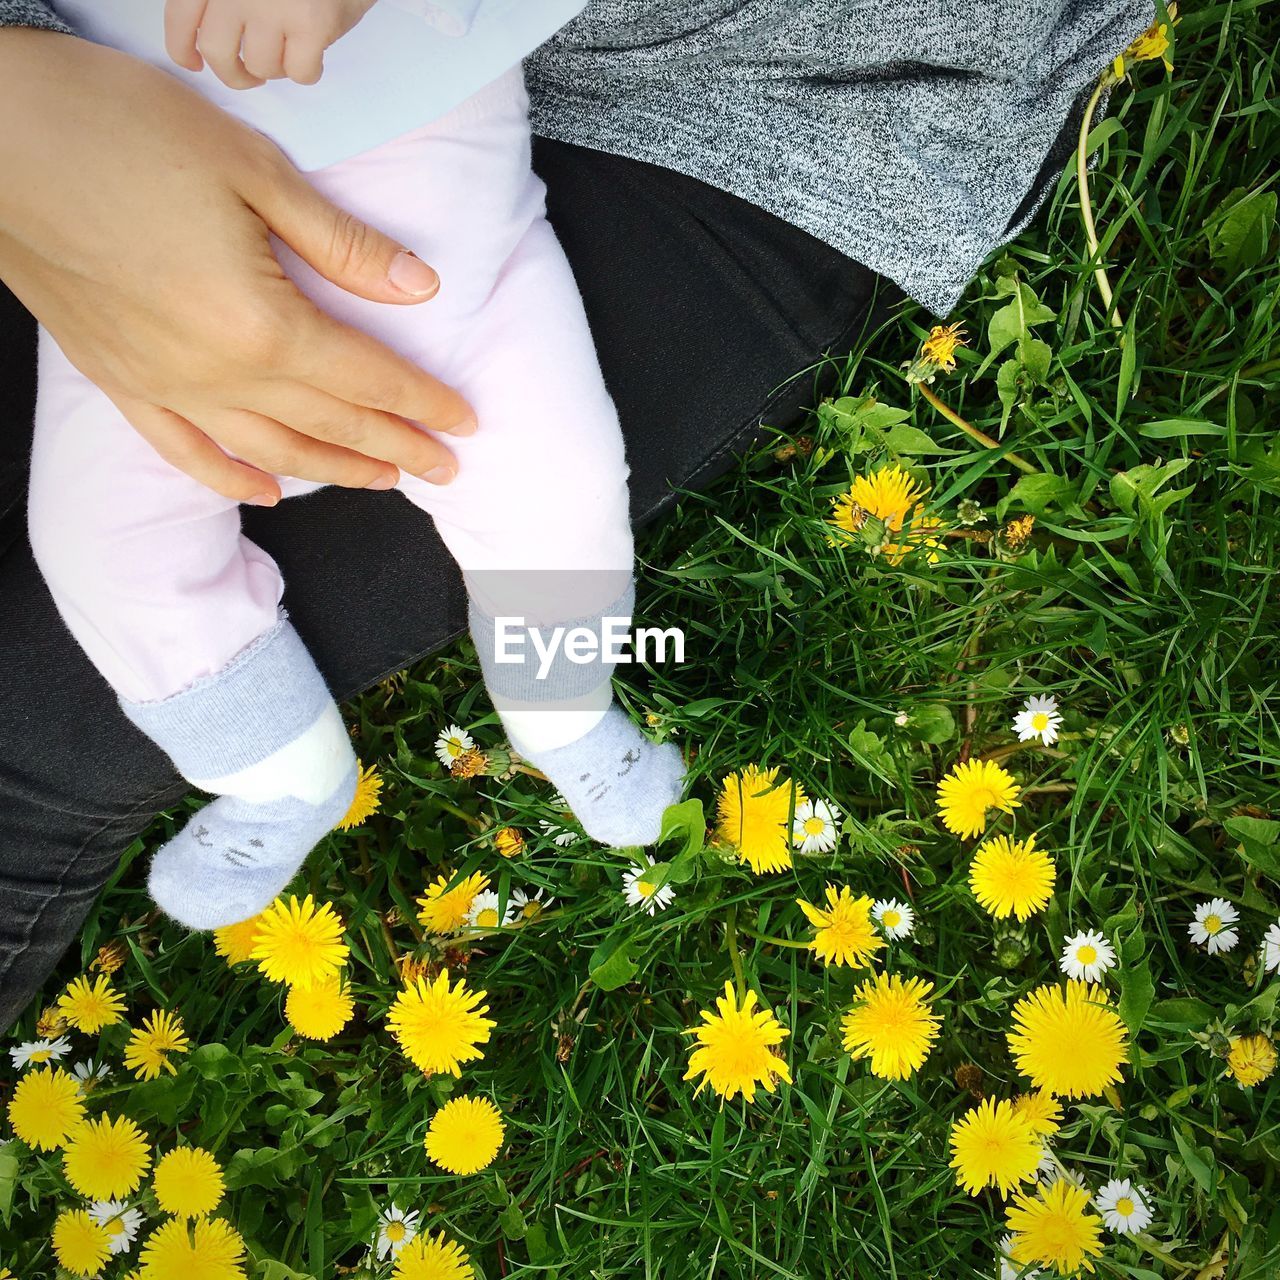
(150, 569)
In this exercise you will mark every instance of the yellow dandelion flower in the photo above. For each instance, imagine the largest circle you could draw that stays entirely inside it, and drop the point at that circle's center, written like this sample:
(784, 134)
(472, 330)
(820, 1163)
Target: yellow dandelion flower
(412, 967)
(367, 800)
(1054, 1228)
(735, 1048)
(439, 1026)
(445, 910)
(1068, 1041)
(893, 497)
(509, 842)
(754, 816)
(845, 932)
(940, 346)
(80, 1244)
(970, 790)
(188, 1182)
(110, 958)
(1011, 877)
(992, 1145)
(1251, 1059)
(207, 1248)
(893, 1024)
(90, 1008)
(45, 1108)
(50, 1024)
(1042, 1111)
(470, 764)
(465, 1135)
(299, 943)
(105, 1158)
(235, 942)
(149, 1047)
(320, 1012)
(428, 1257)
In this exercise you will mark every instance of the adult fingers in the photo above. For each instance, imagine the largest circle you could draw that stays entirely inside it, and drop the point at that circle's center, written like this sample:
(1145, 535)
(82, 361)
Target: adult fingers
(267, 443)
(187, 448)
(353, 367)
(262, 52)
(221, 34)
(342, 248)
(365, 433)
(181, 23)
(303, 59)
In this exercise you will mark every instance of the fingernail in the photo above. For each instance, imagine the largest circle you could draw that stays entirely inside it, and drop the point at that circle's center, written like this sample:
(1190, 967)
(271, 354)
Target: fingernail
(384, 482)
(263, 500)
(412, 276)
(439, 475)
(467, 427)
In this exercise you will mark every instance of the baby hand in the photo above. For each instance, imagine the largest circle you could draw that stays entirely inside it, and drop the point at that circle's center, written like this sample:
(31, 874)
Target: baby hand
(247, 42)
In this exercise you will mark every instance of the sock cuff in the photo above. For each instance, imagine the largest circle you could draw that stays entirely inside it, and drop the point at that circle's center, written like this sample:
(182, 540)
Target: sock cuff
(539, 676)
(270, 693)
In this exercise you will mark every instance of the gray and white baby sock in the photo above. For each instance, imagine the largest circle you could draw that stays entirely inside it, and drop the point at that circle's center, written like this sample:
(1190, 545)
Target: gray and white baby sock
(560, 715)
(265, 737)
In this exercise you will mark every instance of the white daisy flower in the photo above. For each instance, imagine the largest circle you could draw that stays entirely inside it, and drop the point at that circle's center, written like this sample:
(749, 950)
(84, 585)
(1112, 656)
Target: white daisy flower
(524, 906)
(119, 1221)
(557, 834)
(395, 1229)
(1271, 948)
(452, 743)
(1124, 1207)
(1010, 1270)
(816, 827)
(38, 1052)
(90, 1073)
(902, 719)
(1212, 926)
(1039, 718)
(484, 912)
(641, 893)
(895, 918)
(1087, 956)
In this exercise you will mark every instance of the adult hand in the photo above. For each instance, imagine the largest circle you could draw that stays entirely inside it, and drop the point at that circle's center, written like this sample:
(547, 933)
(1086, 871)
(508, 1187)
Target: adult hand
(134, 224)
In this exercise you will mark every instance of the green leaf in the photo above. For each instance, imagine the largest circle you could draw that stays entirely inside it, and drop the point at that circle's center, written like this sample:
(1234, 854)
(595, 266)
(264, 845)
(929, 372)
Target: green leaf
(511, 1222)
(685, 823)
(1013, 322)
(535, 1241)
(1197, 1160)
(1259, 842)
(215, 1061)
(1240, 230)
(1036, 493)
(932, 722)
(1183, 1011)
(611, 965)
(8, 1183)
(912, 441)
(1135, 491)
(1137, 991)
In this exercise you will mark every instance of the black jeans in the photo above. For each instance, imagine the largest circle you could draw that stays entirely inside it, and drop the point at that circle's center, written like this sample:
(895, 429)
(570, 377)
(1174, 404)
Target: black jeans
(704, 310)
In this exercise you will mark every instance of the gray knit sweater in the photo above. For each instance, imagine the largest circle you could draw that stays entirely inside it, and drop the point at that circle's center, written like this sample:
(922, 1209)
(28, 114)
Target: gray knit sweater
(913, 135)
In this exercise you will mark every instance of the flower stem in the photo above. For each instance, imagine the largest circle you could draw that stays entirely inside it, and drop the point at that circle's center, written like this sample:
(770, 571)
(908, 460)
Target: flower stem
(970, 430)
(1086, 204)
(735, 956)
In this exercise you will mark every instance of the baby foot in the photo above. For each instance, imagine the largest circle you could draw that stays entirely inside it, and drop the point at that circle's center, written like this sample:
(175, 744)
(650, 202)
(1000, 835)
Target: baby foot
(616, 781)
(234, 857)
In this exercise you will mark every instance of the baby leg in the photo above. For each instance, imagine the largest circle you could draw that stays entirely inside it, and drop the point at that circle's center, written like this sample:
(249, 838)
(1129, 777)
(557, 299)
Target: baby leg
(181, 615)
(538, 519)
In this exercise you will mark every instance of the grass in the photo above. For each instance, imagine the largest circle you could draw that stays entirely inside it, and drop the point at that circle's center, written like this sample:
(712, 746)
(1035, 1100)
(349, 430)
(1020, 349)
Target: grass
(1145, 600)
